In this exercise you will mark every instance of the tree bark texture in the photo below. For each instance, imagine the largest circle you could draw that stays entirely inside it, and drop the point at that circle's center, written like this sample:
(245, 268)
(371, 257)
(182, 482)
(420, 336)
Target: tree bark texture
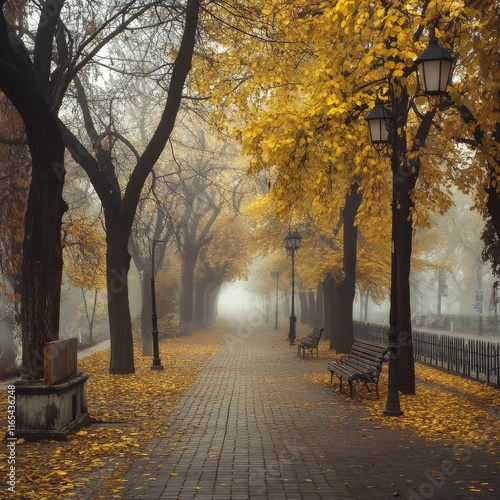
(187, 295)
(117, 267)
(405, 176)
(406, 378)
(346, 289)
(42, 250)
(328, 290)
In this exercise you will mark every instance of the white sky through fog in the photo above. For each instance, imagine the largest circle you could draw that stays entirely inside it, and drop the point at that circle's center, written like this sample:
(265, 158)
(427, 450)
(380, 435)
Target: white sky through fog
(233, 299)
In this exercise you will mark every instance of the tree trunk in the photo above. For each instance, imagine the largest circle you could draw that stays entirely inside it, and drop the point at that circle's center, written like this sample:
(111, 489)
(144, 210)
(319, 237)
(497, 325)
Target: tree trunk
(493, 200)
(328, 287)
(186, 302)
(346, 290)
(146, 312)
(212, 291)
(342, 339)
(42, 249)
(320, 305)
(404, 179)
(406, 378)
(304, 308)
(120, 324)
(212, 302)
(311, 302)
(199, 311)
(334, 307)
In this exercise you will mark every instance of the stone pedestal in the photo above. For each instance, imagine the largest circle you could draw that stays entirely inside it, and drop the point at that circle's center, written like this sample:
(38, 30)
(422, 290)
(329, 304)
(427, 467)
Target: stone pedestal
(50, 411)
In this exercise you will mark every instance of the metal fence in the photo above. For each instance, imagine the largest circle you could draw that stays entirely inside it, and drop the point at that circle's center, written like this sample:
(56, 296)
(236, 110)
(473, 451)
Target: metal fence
(468, 357)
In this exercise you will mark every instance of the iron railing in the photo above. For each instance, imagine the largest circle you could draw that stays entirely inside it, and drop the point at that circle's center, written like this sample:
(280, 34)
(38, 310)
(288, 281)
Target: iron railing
(471, 358)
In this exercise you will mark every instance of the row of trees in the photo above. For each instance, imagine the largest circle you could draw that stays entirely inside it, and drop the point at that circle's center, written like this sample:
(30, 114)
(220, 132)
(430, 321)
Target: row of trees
(443, 280)
(72, 71)
(192, 208)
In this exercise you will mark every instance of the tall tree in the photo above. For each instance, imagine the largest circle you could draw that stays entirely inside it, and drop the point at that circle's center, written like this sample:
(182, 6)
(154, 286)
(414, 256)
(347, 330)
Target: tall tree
(346, 289)
(24, 82)
(200, 195)
(150, 225)
(215, 267)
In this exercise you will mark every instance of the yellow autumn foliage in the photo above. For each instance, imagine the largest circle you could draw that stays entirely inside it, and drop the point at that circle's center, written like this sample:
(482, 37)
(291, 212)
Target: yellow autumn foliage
(85, 254)
(293, 83)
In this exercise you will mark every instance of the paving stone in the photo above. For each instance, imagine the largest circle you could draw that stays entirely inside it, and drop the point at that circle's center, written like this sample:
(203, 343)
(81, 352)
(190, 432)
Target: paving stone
(254, 427)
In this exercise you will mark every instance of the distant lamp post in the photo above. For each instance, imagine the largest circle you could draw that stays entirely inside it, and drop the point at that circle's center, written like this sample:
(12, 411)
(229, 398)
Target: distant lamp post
(267, 307)
(292, 243)
(156, 349)
(434, 69)
(276, 275)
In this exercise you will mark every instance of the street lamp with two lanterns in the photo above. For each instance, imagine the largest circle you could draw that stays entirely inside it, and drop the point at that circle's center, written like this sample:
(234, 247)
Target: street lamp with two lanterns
(434, 70)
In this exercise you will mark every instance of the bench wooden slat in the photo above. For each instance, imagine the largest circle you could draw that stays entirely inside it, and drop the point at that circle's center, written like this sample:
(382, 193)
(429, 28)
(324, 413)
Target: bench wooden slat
(363, 364)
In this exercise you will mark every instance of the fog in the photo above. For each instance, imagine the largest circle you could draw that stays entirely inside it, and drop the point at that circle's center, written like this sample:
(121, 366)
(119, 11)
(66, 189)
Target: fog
(233, 299)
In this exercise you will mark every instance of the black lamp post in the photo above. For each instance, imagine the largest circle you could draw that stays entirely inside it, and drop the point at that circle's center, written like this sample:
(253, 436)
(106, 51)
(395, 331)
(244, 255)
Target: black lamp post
(479, 293)
(156, 349)
(276, 275)
(434, 69)
(292, 243)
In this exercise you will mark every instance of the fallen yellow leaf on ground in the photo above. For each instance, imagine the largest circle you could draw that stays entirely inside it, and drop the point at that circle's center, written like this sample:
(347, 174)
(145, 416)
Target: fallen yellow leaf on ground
(127, 410)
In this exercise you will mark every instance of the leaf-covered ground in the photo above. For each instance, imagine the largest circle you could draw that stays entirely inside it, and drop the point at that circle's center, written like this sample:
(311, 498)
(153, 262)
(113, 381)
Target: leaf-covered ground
(130, 409)
(445, 407)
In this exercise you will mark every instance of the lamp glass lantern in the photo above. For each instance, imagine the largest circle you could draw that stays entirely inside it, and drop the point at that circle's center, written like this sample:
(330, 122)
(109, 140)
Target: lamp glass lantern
(380, 121)
(292, 242)
(434, 68)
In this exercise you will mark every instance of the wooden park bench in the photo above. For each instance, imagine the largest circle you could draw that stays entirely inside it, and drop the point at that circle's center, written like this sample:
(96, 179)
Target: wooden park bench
(363, 364)
(310, 342)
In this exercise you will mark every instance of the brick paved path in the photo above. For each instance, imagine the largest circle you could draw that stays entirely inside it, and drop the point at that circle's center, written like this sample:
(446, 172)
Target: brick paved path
(254, 427)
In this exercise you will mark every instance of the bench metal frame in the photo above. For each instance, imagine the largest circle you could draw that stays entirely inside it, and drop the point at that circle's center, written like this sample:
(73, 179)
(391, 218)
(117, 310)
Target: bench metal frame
(363, 364)
(310, 342)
